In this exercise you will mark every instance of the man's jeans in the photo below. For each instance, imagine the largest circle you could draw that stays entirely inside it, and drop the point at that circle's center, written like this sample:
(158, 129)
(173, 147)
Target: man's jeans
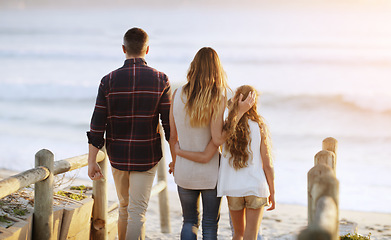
(191, 213)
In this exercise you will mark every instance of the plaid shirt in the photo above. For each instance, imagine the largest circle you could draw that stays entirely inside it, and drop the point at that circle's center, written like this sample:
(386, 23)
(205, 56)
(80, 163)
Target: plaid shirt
(129, 102)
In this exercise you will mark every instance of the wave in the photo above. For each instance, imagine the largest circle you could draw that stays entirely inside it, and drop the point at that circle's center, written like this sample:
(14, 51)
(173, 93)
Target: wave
(49, 54)
(45, 92)
(347, 102)
(255, 55)
(76, 94)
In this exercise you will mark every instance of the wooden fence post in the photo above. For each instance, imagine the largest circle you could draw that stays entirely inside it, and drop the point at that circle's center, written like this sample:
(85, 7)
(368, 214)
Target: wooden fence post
(325, 225)
(163, 199)
(330, 144)
(99, 224)
(327, 158)
(322, 182)
(43, 198)
(164, 206)
(323, 196)
(326, 215)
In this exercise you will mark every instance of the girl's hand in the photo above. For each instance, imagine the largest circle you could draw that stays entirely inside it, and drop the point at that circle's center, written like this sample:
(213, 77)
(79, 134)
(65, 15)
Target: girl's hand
(245, 105)
(272, 202)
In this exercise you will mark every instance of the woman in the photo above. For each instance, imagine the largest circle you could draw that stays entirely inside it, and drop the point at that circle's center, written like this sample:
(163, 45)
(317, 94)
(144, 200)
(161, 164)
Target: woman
(196, 111)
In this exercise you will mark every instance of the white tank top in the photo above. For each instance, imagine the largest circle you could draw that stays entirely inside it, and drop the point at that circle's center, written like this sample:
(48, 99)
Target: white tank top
(246, 181)
(189, 174)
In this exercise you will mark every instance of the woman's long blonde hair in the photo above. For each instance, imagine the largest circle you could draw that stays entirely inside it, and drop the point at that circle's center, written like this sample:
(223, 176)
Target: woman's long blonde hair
(206, 87)
(239, 139)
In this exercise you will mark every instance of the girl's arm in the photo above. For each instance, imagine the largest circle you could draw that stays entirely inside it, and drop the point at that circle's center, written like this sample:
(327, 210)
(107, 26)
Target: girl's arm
(269, 171)
(201, 157)
(218, 134)
(216, 126)
(173, 136)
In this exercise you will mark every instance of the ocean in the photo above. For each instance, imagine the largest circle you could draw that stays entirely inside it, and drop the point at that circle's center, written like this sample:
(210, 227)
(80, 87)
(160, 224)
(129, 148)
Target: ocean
(322, 71)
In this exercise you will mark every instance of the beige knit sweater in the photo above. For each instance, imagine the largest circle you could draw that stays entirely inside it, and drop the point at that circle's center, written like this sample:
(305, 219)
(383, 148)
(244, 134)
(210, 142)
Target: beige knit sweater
(189, 174)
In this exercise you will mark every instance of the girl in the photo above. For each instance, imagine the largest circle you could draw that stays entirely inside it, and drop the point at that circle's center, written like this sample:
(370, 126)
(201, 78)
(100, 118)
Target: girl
(246, 174)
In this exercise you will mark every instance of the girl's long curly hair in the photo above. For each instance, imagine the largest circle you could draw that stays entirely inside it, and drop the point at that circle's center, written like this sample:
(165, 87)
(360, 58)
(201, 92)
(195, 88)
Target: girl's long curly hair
(238, 142)
(206, 87)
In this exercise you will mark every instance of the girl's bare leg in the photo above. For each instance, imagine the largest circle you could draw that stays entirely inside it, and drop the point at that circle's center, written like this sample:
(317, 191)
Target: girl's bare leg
(238, 223)
(253, 222)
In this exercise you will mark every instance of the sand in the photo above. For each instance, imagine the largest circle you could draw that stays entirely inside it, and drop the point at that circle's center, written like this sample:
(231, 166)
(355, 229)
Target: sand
(283, 223)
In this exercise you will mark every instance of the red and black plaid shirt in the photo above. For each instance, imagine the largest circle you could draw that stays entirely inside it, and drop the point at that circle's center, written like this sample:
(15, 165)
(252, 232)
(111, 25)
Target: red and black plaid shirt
(129, 102)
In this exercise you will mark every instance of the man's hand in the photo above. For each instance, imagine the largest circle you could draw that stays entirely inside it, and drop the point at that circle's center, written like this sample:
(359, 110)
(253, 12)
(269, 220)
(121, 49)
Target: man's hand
(94, 171)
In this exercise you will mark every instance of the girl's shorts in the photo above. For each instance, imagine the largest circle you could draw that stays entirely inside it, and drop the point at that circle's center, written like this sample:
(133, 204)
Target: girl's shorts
(238, 203)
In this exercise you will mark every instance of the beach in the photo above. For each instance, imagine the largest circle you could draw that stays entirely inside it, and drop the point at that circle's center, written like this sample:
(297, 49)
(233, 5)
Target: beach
(320, 74)
(283, 223)
(323, 69)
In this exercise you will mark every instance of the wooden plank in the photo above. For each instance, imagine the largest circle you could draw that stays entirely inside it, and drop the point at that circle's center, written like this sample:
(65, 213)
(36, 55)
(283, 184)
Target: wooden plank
(76, 219)
(19, 230)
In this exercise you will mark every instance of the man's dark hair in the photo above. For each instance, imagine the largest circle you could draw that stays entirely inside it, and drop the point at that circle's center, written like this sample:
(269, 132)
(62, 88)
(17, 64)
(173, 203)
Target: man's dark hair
(135, 41)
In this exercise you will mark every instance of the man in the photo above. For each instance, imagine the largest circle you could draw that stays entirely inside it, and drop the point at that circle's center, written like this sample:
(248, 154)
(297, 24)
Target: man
(129, 102)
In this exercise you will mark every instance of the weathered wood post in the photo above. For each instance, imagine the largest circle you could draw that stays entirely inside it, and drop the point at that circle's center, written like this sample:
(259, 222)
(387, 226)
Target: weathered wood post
(321, 182)
(323, 195)
(99, 229)
(326, 215)
(43, 198)
(330, 144)
(164, 206)
(327, 158)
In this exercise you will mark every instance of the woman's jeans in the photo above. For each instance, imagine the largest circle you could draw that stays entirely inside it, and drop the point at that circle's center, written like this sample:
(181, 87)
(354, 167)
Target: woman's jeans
(191, 214)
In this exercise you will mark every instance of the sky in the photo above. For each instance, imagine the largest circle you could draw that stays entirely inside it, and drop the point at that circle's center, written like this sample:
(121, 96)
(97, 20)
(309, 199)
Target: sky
(23, 4)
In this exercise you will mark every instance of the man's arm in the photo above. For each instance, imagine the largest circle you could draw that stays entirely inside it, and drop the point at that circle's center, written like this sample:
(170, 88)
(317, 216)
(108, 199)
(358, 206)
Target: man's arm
(96, 133)
(94, 171)
(164, 109)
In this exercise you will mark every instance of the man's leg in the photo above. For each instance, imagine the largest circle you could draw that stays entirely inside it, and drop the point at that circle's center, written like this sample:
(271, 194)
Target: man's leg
(121, 180)
(140, 186)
